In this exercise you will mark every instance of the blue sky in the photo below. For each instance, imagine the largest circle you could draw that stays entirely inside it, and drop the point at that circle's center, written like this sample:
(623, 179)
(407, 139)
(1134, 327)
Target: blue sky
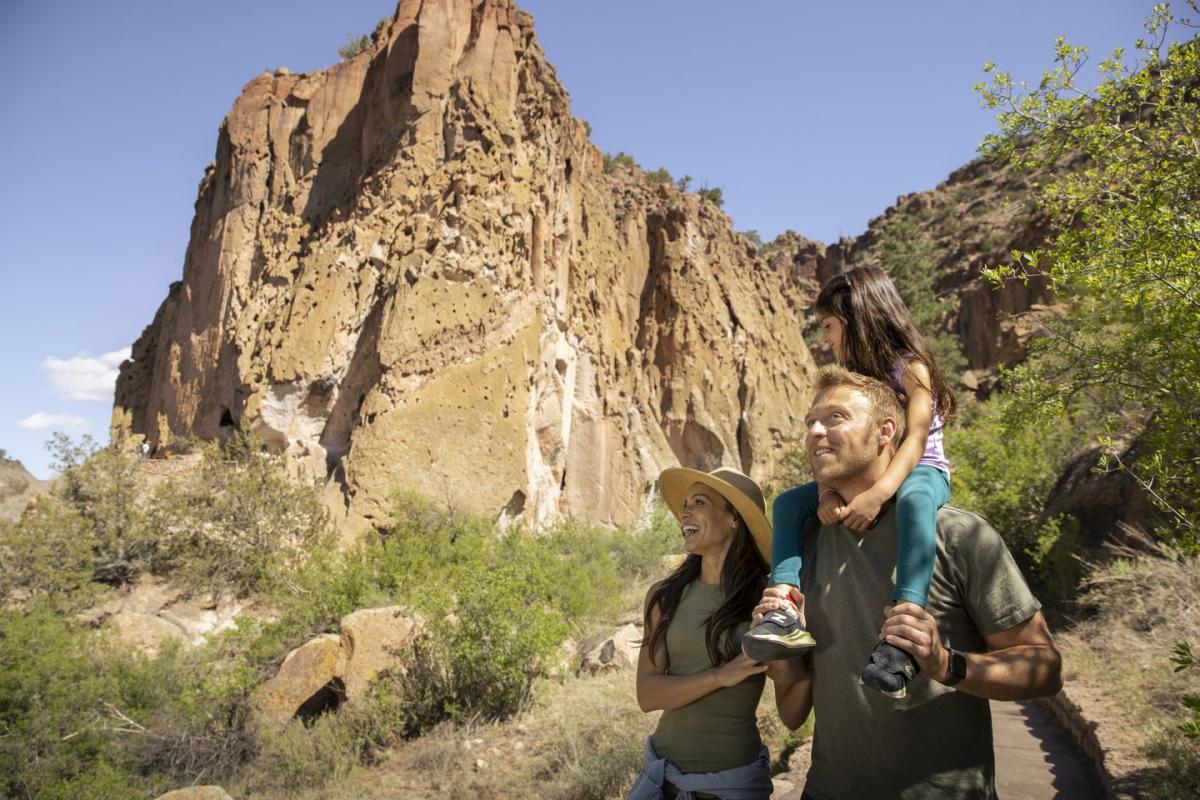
(811, 115)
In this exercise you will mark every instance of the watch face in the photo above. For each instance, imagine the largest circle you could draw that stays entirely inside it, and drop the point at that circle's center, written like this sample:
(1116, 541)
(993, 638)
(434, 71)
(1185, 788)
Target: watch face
(958, 665)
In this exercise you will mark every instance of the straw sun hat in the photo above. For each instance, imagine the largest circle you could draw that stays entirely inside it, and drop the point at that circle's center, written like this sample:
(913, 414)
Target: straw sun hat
(738, 489)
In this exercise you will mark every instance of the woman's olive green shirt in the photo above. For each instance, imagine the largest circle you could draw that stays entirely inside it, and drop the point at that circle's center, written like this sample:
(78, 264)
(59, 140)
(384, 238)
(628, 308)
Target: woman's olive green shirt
(719, 731)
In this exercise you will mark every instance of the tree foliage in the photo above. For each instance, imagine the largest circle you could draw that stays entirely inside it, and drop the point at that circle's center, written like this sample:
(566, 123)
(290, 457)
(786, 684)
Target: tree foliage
(353, 46)
(1123, 167)
(713, 195)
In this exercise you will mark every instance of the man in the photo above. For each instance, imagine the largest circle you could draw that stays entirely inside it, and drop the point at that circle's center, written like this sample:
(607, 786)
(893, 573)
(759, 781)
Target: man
(982, 635)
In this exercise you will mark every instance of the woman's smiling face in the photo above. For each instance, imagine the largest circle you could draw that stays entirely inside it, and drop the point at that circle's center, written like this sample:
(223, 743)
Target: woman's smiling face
(708, 523)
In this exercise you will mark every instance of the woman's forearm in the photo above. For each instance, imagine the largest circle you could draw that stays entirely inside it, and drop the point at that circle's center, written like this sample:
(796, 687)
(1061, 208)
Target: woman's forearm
(793, 696)
(657, 692)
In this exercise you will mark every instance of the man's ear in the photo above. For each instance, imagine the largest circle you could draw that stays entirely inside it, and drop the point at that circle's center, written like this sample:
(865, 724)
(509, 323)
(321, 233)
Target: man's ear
(887, 431)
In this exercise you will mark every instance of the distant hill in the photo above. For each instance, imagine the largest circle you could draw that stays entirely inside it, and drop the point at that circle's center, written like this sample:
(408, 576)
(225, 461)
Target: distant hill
(17, 487)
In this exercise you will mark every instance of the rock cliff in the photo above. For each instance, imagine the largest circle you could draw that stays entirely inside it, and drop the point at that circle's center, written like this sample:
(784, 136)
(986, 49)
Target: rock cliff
(411, 271)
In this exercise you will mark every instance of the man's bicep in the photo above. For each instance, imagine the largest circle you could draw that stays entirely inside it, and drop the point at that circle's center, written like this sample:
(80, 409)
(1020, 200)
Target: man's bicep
(1033, 631)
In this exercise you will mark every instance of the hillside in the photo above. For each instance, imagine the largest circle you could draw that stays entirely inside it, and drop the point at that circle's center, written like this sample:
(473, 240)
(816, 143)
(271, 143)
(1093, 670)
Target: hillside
(17, 488)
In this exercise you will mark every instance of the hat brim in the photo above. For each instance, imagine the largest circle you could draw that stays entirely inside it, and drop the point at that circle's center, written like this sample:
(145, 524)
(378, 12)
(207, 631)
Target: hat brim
(675, 482)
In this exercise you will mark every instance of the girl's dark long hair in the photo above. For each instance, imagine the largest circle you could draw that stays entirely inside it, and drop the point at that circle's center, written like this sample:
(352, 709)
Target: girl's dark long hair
(879, 330)
(743, 578)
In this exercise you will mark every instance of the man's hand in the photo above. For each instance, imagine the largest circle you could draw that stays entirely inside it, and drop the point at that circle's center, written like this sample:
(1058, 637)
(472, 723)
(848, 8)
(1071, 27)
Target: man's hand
(830, 509)
(778, 597)
(909, 627)
(862, 510)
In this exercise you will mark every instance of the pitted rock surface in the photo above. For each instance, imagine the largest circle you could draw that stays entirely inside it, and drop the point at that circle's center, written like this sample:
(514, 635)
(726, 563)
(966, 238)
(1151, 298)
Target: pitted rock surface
(412, 270)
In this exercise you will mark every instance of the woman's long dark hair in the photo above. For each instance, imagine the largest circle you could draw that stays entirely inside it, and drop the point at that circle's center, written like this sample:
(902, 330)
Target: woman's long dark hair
(878, 330)
(743, 578)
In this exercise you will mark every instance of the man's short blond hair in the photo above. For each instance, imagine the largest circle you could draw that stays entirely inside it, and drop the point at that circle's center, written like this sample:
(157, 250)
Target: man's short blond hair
(883, 399)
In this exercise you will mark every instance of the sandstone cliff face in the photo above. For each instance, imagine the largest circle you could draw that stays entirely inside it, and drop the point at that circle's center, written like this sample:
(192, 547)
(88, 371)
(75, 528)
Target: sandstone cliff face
(411, 271)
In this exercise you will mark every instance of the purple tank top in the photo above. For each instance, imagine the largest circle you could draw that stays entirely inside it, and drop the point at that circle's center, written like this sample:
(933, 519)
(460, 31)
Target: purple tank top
(935, 455)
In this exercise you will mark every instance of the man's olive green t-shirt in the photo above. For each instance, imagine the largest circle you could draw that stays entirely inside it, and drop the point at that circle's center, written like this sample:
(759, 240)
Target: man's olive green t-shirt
(718, 731)
(936, 742)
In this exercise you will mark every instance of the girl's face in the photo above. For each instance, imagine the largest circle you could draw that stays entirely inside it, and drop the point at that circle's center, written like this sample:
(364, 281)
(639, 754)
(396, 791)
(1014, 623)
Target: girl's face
(833, 336)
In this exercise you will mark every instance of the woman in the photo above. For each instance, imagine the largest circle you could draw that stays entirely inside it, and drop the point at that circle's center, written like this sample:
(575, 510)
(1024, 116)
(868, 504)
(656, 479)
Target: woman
(691, 666)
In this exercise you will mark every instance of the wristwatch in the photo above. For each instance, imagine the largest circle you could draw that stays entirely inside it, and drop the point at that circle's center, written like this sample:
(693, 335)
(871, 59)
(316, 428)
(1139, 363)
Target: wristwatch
(957, 668)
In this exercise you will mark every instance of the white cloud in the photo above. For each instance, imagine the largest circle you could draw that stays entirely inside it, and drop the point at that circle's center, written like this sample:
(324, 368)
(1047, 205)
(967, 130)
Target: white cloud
(85, 378)
(41, 421)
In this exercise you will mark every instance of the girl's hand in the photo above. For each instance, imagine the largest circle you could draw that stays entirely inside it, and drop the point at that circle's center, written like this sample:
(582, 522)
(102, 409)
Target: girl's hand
(734, 672)
(862, 511)
(830, 509)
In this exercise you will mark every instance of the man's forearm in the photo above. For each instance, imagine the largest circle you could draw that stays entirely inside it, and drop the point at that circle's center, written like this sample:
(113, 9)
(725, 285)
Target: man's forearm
(1019, 672)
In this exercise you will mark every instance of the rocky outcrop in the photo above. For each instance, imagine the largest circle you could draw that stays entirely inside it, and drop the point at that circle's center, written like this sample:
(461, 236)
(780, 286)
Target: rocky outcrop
(149, 613)
(338, 668)
(412, 270)
(619, 651)
(374, 641)
(308, 676)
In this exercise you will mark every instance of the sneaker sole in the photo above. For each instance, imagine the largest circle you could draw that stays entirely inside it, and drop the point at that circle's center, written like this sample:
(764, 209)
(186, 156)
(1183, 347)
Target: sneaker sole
(899, 694)
(778, 647)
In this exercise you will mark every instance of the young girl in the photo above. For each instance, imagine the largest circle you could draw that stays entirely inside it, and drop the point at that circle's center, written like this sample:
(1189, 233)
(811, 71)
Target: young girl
(870, 330)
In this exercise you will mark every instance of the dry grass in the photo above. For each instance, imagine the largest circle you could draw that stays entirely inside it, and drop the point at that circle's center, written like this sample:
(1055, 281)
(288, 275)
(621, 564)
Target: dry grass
(1138, 606)
(581, 738)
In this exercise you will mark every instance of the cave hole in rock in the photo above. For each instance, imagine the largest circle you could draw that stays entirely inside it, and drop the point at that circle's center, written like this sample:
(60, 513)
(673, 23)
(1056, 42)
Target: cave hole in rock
(227, 420)
(325, 700)
(516, 505)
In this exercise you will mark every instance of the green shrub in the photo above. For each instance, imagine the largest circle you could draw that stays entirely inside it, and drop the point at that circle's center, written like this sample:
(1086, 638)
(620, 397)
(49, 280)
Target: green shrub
(55, 742)
(621, 160)
(238, 521)
(106, 488)
(49, 553)
(353, 46)
(713, 195)
(1006, 478)
(659, 175)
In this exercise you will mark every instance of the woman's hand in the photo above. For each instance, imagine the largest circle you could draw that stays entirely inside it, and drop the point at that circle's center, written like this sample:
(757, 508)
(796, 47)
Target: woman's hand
(731, 673)
(830, 509)
(862, 510)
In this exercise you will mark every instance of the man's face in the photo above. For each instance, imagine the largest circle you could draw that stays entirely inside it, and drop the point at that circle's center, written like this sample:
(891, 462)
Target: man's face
(843, 437)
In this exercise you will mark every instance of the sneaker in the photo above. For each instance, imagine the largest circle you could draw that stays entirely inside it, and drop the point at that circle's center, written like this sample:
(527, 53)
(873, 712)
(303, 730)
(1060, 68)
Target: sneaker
(889, 670)
(779, 636)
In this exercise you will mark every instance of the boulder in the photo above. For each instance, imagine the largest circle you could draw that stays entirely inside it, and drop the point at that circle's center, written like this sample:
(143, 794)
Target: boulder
(375, 640)
(619, 651)
(308, 673)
